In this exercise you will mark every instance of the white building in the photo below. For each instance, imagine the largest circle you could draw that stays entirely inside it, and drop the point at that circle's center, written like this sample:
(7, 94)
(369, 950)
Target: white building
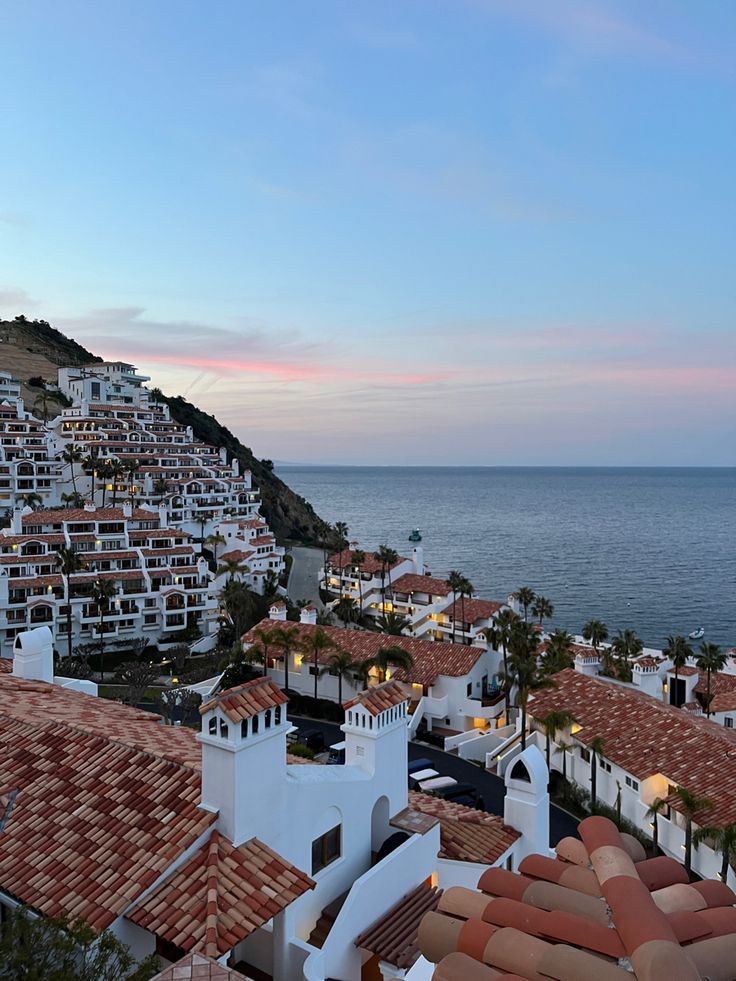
(104, 381)
(27, 466)
(221, 845)
(9, 387)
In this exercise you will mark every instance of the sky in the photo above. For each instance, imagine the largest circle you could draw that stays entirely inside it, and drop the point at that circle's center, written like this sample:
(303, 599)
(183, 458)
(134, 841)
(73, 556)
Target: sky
(461, 232)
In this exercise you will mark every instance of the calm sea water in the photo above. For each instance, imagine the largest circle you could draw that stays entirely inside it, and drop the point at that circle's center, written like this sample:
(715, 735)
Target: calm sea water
(650, 549)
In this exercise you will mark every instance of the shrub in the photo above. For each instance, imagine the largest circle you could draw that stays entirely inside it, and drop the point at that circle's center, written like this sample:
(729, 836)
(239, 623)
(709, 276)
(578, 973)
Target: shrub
(298, 749)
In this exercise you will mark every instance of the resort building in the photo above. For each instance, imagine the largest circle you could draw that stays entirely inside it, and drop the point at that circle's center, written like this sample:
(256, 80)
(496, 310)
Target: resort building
(28, 471)
(218, 846)
(162, 583)
(598, 909)
(9, 387)
(428, 604)
(104, 381)
(452, 689)
(249, 543)
(647, 750)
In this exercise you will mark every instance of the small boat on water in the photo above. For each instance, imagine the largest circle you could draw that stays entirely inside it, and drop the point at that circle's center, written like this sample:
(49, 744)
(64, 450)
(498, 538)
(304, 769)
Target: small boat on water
(416, 535)
(697, 634)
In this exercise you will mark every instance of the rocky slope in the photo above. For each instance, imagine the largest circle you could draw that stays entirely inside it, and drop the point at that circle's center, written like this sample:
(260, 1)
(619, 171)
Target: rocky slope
(34, 348)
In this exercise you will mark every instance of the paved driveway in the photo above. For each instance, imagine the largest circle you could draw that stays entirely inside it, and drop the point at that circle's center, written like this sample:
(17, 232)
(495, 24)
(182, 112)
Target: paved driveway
(490, 786)
(303, 579)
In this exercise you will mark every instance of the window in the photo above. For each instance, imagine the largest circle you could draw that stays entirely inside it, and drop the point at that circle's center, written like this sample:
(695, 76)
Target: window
(728, 722)
(630, 782)
(585, 754)
(469, 689)
(326, 849)
(605, 766)
(213, 726)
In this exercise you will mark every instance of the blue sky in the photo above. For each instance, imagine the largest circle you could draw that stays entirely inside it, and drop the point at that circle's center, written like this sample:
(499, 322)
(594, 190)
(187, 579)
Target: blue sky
(462, 232)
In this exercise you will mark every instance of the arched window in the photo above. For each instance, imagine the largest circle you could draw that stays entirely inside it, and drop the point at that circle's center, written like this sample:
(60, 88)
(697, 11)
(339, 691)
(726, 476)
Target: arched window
(254, 725)
(213, 726)
(244, 729)
(223, 729)
(520, 772)
(277, 715)
(268, 719)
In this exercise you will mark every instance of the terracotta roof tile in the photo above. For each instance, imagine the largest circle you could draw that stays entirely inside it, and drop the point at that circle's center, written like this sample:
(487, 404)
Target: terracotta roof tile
(220, 896)
(411, 583)
(394, 936)
(475, 609)
(246, 700)
(196, 967)
(431, 658)
(466, 834)
(80, 514)
(378, 699)
(344, 560)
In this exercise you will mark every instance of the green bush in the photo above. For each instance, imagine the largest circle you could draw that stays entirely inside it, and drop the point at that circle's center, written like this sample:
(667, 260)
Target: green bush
(298, 749)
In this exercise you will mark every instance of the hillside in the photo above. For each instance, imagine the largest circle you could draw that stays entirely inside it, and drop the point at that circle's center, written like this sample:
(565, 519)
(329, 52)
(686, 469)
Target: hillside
(33, 348)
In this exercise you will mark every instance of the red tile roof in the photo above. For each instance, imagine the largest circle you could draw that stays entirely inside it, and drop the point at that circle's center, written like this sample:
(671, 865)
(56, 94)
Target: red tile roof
(344, 560)
(644, 736)
(378, 699)
(6, 665)
(195, 967)
(431, 658)
(466, 834)
(411, 583)
(246, 700)
(48, 517)
(220, 896)
(94, 822)
(393, 937)
(475, 609)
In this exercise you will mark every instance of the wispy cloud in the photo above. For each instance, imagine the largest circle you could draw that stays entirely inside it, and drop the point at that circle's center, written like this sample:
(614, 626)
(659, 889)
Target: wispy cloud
(16, 299)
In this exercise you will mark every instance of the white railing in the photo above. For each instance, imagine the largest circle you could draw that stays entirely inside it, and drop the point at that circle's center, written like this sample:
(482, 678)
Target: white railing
(436, 708)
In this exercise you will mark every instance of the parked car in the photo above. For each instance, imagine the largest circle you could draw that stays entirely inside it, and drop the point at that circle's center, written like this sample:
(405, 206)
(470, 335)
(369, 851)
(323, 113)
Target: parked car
(415, 779)
(457, 791)
(337, 754)
(436, 784)
(421, 764)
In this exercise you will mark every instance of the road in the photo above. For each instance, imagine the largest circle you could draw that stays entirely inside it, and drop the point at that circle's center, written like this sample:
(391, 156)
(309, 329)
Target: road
(303, 578)
(490, 786)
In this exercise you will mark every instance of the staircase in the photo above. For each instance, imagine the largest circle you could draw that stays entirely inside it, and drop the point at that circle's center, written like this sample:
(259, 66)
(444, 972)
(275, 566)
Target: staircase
(324, 924)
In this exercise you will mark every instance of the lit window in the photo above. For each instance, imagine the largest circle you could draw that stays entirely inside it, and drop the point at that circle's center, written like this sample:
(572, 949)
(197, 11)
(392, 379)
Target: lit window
(326, 849)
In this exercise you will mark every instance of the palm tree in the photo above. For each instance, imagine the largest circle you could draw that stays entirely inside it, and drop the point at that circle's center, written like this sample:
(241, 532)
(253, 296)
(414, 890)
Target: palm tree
(558, 652)
(690, 804)
(358, 558)
(345, 610)
(160, 488)
(103, 472)
(526, 597)
(722, 840)
(71, 455)
(658, 805)
(117, 471)
(388, 557)
(499, 636)
(564, 748)
(287, 640)
(542, 608)
(679, 652)
(131, 468)
(553, 723)
(392, 623)
(466, 589)
(455, 581)
(626, 646)
(43, 400)
(596, 751)
(340, 665)
(341, 539)
(31, 500)
(103, 591)
(203, 519)
(232, 568)
(73, 500)
(69, 562)
(523, 669)
(711, 659)
(265, 639)
(596, 633)
(313, 644)
(394, 656)
(213, 541)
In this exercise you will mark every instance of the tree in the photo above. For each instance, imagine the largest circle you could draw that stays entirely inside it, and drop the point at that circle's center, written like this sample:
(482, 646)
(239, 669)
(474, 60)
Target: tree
(265, 639)
(239, 608)
(391, 657)
(596, 751)
(69, 562)
(103, 472)
(392, 623)
(203, 519)
(345, 610)
(341, 540)
(543, 609)
(161, 489)
(43, 402)
(173, 700)
(711, 659)
(658, 805)
(523, 669)
(232, 568)
(388, 557)
(721, 840)
(37, 948)
(553, 723)
(526, 597)
(131, 467)
(499, 636)
(117, 472)
(103, 591)
(358, 558)
(564, 748)
(137, 676)
(625, 647)
(287, 641)
(313, 645)
(596, 633)
(455, 581)
(213, 541)
(690, 805)
(178, 656)
(31, 500)
(72, 455)
(73, 500)
(558, 652)
(340, 665)
(679, 652)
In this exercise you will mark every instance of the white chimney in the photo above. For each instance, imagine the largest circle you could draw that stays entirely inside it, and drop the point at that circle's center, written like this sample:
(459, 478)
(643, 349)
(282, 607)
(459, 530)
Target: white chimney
(16, 525)
(89, 506)
(417, 558)
(163, 515)
(127, 509)
(278, 611)
(526, 804)
(308, 615)
(33, 655)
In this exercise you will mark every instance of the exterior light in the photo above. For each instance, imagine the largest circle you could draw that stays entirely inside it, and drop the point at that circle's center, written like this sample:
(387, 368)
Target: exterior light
(575, 728)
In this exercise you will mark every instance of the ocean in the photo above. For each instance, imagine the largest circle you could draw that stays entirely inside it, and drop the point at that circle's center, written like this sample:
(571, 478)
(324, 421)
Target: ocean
(653, 550)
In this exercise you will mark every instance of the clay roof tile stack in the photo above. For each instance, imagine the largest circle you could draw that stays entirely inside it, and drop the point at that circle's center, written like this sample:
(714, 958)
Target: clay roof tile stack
(598, 910)
(466, 834)
(195, 967)
(246, 700)
(378, 699)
